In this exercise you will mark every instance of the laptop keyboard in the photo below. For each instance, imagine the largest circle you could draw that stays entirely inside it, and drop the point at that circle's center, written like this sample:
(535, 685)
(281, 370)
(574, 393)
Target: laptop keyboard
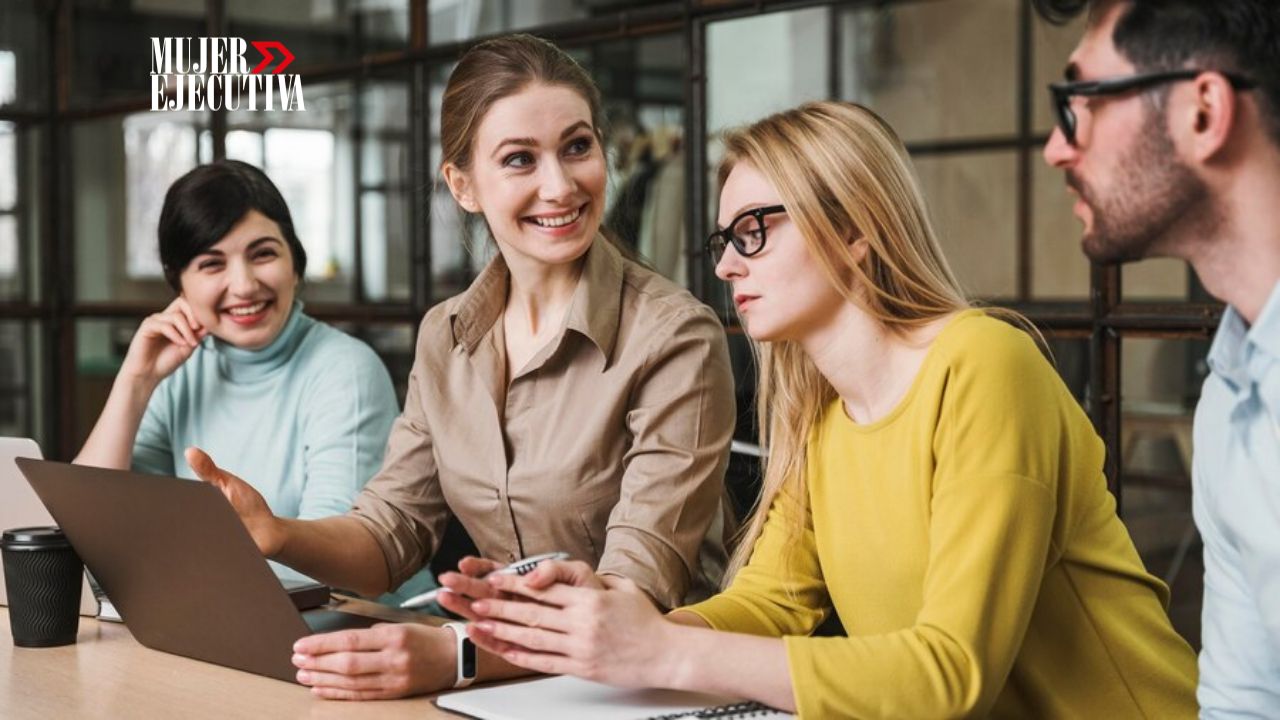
(323, 621)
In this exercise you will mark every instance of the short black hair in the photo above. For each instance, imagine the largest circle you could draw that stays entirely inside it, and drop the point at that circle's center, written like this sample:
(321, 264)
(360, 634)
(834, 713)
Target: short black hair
(1239, 36)
(201, 207)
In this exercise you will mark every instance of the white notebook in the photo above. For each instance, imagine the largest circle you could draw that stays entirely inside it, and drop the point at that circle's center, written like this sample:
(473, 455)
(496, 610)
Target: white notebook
(569, 698)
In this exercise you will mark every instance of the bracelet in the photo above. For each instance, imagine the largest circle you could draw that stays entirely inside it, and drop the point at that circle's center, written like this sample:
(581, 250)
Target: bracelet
(466, 672)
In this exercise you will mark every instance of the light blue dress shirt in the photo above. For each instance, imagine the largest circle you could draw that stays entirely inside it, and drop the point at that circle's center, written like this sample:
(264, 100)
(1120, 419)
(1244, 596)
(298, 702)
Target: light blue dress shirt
(1236, 500)
(304, 420)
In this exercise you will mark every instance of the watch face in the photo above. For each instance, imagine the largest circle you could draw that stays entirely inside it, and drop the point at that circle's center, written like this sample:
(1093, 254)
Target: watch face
(468, 658)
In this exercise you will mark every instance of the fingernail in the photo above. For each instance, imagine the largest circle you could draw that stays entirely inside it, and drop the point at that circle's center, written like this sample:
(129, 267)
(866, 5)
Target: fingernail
(299, 659)
(304, 676)
(480, 606)
(483, 626)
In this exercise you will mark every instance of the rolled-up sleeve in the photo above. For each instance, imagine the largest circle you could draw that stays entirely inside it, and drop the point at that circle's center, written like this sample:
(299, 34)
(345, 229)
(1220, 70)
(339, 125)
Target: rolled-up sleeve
(403, 506)
(781, 590)
(681, 420)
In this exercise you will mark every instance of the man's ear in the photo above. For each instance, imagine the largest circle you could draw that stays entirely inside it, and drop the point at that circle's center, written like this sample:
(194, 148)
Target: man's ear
(1212, 115)
(459, 183)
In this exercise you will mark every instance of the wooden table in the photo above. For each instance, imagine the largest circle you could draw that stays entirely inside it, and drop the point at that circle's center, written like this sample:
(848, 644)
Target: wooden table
(108, 674)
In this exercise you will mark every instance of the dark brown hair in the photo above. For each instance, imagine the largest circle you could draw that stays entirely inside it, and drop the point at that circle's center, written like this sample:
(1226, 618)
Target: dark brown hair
(499, 68)
(201, 207)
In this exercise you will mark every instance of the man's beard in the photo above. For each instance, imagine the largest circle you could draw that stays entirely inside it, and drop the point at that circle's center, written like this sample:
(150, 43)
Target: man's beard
(1154, 202)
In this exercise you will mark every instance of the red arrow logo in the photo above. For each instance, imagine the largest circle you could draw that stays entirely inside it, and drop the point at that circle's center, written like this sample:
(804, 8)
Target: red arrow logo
(264, 47)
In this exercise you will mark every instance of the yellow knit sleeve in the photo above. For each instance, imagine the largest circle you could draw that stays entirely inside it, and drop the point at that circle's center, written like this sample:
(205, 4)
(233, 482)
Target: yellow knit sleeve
(992, 513)
(780, 591)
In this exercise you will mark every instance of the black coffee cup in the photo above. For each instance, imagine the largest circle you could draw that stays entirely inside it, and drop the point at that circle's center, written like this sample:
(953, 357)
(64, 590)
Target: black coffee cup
(42, 575)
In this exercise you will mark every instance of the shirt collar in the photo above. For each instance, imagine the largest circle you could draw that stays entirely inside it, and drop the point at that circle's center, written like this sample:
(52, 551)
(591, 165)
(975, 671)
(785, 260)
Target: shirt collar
(1265, 333)
(1238, 350)
(598, 297)
(480, 305)
(593, 311)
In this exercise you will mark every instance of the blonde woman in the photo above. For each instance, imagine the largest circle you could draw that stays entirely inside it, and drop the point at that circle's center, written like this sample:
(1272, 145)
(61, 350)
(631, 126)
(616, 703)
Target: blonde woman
(929, 478)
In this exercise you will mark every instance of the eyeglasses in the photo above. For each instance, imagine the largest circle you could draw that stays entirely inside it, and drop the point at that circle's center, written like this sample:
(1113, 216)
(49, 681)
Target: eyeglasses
(746, 233)
(1061, 93)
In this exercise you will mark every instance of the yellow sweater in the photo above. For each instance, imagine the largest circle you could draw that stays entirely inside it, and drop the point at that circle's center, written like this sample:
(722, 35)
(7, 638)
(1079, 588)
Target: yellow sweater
(971, 549)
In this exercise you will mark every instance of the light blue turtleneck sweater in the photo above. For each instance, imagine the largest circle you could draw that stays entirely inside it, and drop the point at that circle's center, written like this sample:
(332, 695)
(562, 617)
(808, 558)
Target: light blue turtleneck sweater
(304, 420)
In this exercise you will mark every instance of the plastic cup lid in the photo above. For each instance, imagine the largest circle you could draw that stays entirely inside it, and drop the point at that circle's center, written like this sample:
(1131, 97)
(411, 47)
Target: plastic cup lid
(34, 538)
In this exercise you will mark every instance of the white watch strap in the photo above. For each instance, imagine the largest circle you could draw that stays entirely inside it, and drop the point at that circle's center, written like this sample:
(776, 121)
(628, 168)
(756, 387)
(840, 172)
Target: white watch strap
(464, 647)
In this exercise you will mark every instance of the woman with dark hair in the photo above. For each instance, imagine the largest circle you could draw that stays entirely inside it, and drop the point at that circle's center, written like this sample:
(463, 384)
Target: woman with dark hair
(570, 400)
(234, 365)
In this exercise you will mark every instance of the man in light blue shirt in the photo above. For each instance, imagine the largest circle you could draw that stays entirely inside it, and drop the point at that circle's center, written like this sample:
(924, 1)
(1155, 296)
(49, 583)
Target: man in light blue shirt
(1237, 508)
(1169, 137)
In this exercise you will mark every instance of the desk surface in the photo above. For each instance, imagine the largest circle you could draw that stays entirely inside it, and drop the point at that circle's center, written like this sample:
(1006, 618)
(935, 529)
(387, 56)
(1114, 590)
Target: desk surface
(108, 674)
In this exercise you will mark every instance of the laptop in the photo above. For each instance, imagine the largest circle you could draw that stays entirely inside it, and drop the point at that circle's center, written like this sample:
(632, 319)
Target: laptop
(19, 507)
(180, 566)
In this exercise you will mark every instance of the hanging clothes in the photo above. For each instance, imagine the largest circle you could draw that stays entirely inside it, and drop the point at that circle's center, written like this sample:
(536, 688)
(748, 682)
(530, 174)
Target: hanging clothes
(663, 237)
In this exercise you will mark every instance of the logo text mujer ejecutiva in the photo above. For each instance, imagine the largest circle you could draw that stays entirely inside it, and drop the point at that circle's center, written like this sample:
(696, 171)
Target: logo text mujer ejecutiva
(212, 73)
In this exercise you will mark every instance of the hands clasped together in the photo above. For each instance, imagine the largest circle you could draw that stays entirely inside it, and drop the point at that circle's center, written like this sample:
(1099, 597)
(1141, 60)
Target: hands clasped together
(564, 619)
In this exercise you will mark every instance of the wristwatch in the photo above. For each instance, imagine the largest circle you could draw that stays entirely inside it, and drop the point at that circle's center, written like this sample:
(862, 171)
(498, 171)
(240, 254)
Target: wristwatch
(466, 655)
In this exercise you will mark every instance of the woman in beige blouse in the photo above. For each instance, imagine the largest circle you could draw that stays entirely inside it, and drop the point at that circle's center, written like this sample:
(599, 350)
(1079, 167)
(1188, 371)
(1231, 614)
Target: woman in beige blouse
(570, 399)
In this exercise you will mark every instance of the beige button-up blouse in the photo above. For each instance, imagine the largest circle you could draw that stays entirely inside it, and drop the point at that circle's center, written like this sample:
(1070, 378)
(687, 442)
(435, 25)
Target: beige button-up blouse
(611, 444)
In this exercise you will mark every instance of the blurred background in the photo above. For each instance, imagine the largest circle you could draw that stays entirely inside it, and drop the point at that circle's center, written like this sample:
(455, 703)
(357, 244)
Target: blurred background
(84, 165)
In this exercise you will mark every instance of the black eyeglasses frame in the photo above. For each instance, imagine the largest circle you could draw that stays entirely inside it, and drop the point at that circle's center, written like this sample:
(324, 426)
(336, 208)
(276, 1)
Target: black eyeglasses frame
(1060, 94)
(722, 238)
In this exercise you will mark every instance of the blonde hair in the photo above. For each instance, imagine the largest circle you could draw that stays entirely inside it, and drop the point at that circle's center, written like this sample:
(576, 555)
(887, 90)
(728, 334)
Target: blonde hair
(842, 173)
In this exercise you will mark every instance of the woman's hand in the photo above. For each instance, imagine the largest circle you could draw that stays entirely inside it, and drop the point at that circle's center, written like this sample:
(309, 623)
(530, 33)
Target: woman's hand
(382, 662)
(264, 527)
(461, 588)
(469, 584)
(162, 343)
(613, 635)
